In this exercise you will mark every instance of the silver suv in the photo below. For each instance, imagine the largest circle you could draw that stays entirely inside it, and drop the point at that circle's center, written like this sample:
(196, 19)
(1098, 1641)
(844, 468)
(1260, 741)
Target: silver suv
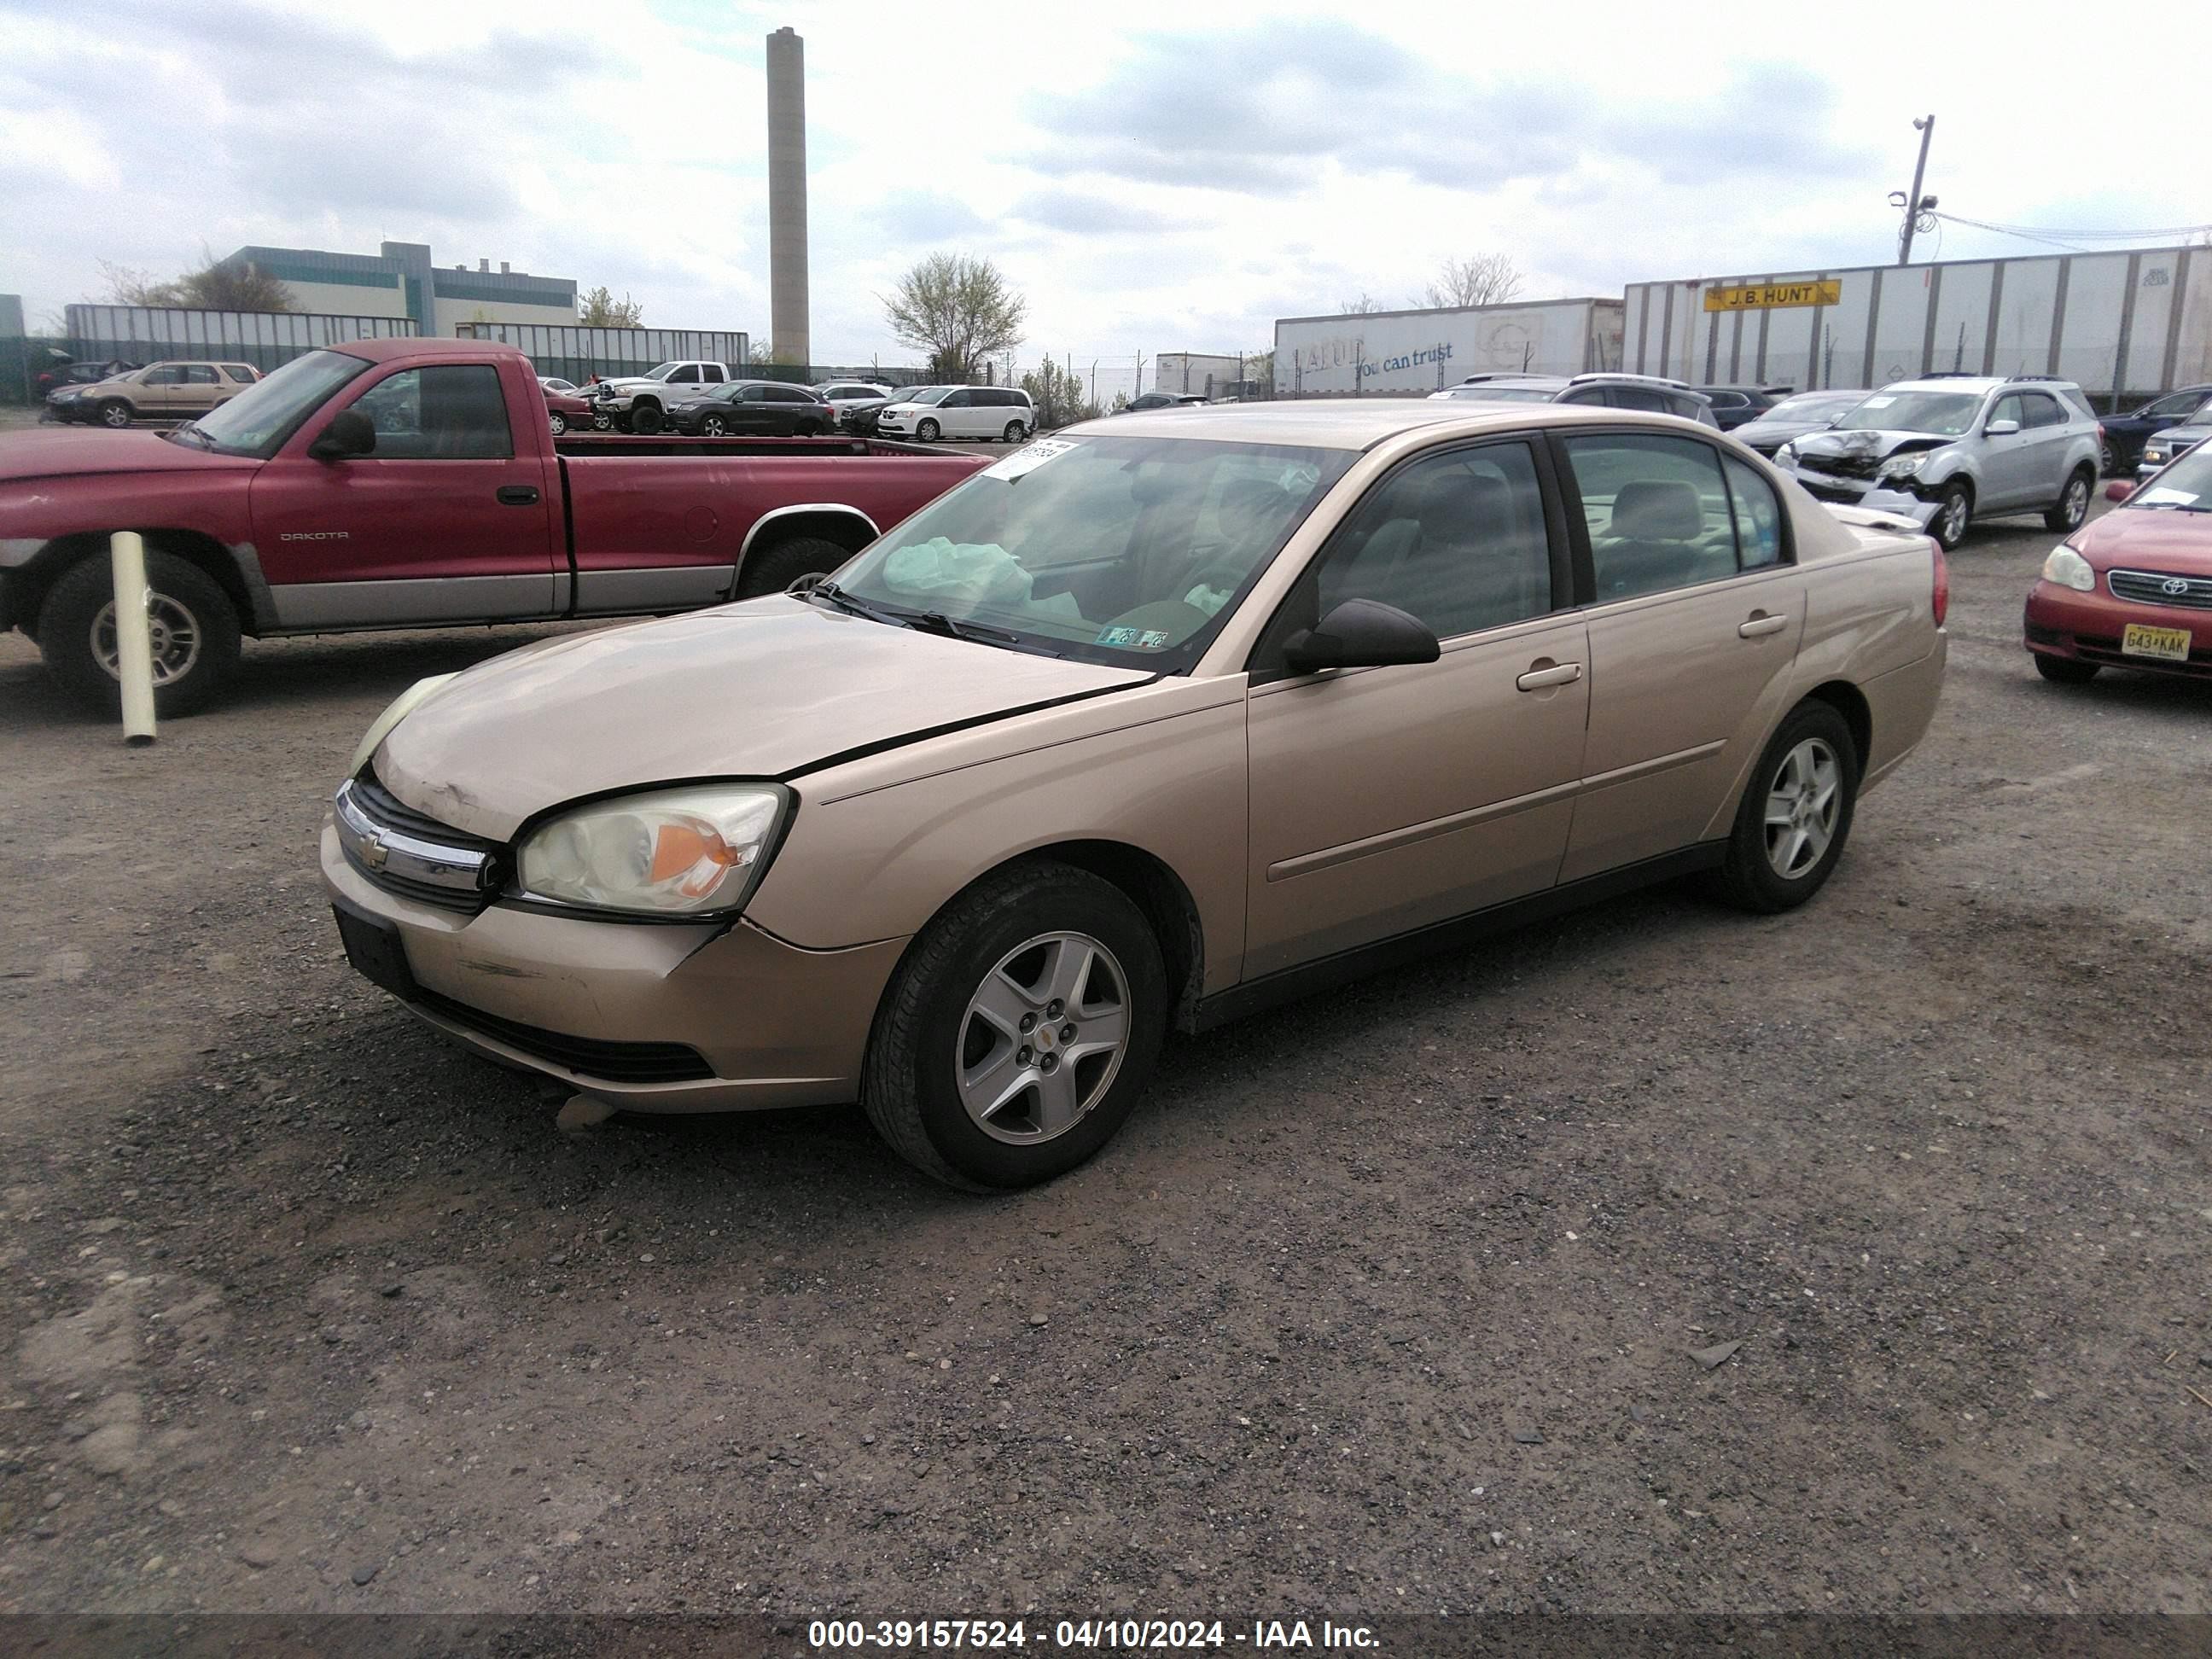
(1647, 392)
(1946, 449)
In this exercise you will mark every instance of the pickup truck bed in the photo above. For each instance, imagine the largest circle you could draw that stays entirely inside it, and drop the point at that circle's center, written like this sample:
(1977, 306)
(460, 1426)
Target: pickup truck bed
(409, 483)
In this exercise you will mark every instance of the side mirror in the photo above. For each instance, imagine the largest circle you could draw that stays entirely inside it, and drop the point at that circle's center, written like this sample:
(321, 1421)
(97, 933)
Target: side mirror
(2001, 428)
(350, 433)
(2118, 491)
(1360, 634)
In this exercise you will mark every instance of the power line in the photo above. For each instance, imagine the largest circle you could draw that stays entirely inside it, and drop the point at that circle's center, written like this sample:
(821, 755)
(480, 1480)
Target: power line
(2064, 237)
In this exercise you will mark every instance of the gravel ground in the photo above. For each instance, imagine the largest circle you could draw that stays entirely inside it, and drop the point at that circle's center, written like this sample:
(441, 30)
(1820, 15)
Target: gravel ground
(1384, 1302)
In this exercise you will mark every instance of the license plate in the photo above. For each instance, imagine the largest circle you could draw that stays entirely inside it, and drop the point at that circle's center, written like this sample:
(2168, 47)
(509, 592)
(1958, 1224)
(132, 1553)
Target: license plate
(2167, 644)
(376, 951)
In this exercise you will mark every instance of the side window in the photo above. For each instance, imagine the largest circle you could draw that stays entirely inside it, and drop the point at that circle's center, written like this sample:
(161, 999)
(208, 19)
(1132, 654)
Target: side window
(1643, 397)
(787, 394)
(2008, 409)
(168, 376)
(1456, 539)
(448, 412)
(1587, 395)
(1758, 515)
(954, 400)
(2182, 403)
(242, 373)
(711, 373)
(201, 374)
(1658, 512)
(2042, 410)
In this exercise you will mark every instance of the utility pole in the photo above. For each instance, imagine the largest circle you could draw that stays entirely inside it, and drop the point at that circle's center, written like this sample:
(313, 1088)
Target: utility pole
(1915, 204)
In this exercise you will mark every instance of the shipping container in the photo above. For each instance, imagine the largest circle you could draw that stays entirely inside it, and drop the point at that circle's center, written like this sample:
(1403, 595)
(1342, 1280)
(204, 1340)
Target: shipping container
(1197, 371)
(1385, 352)
(2124, 326)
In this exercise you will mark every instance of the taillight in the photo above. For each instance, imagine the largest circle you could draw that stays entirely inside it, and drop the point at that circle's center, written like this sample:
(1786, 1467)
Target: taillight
(1939, 599)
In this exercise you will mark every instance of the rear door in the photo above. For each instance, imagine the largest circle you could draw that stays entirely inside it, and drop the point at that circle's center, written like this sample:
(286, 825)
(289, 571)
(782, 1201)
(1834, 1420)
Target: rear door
(1384, 800)
(200, 390)
(1695, 615)
(445, 521)
(2044, 425)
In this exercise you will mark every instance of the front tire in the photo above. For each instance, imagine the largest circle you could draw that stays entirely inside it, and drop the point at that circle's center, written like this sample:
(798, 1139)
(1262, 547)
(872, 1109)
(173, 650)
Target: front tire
(774, 570)
(114, 413)
(1795, 815)
(195, 635)
(1019, 1031)
(645, 418)
(2108, 458)
(2065, 670)
(1954, 512)
(927, 431)
(2073, 504)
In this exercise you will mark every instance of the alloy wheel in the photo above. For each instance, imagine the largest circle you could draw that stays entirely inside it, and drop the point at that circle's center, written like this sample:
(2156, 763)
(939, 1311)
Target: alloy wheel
(1803, 802)
(711, 426)
(2076, 501)
(1042, 1038)
(176, 635)
(1955, 513)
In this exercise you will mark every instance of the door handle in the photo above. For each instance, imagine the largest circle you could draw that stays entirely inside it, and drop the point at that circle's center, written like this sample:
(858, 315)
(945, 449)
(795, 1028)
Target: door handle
(1564, 673)
(1760, 624)
(518, 495)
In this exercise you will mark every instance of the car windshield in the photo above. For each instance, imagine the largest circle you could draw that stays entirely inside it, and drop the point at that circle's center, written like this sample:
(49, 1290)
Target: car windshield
(259, 420)
(2186, 483)
(1502, 394)
(661, 372)
(924, 394)
(1127, 550)
(1814, 406)
(1945, 414)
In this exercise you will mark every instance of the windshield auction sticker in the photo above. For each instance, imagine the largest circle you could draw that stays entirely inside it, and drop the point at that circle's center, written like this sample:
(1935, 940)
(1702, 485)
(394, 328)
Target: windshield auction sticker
(1028, 458)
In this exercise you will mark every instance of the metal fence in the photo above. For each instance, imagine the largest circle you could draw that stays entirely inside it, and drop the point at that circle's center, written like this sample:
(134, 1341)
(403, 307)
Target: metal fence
(267, 339)
(577, 354)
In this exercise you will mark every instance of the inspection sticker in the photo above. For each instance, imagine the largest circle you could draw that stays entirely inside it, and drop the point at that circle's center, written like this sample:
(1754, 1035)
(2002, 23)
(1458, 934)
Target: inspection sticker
(1117, 636)
(1028, 458)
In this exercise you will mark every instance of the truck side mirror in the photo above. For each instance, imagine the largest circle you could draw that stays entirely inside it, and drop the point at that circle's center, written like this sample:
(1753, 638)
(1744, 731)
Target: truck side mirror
(350, 433)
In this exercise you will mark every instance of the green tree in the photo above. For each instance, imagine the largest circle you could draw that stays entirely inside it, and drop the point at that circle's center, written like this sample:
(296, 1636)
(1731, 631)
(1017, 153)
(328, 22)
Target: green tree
(600, 309)
(1058, 395)
(956, 308)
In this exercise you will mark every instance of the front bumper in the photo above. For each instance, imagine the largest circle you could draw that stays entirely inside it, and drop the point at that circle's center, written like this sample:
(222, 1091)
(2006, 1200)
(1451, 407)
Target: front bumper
(1874, 496)
(2064, 621)
(773, 1024)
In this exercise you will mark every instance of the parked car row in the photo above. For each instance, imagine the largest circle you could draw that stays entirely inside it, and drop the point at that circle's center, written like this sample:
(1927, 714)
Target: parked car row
(1648, 393)
(165, 391)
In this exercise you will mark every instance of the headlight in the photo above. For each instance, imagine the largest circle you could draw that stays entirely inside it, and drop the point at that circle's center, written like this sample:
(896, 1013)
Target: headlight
(2155, 454)
(676, 852)
(1901, 466)
(2070, 569)
(401, 706)
(1787, 455)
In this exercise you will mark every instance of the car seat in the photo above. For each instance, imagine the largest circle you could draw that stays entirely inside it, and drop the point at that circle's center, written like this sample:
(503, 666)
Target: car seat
(1653, 538)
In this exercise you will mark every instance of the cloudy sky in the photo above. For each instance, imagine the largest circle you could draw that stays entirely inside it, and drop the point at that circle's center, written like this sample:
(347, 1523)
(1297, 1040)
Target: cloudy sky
(1152, 177)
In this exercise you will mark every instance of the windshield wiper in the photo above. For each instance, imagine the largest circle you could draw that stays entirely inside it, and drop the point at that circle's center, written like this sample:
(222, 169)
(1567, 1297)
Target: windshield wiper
(190, 428)
(936, 621)
(826, 589)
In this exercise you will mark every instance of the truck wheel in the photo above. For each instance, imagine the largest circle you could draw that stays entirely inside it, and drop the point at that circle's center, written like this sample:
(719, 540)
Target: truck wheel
(2073, 503)
(195, 635)
(1019, 1031)
(771, 569)
(927, 431)
(115, 413)
(645, 418)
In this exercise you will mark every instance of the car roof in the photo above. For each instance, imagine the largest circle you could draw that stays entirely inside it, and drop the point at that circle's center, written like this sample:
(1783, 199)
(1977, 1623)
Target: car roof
(415, 346)
(1354, 422)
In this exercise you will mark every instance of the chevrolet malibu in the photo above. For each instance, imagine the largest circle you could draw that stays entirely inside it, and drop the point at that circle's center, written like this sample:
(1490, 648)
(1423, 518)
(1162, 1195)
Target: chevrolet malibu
(1145, 727)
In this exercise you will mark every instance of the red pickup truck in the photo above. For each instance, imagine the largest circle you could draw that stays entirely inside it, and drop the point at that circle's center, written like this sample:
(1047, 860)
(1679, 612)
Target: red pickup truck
(412, 484)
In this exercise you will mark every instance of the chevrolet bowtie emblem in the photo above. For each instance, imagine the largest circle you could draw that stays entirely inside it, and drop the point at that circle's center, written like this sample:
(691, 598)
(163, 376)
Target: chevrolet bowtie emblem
(372, 850)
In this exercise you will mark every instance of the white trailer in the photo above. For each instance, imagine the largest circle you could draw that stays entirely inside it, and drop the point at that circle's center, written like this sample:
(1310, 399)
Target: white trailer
(1387, 353)
(1199, 372)
(2123, 326)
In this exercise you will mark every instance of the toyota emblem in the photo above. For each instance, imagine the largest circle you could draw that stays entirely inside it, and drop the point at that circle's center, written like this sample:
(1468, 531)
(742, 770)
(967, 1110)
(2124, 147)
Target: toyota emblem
(2175, 585)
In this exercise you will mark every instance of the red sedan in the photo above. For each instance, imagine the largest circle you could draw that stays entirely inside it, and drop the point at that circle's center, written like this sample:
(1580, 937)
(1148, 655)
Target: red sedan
(2134, 589)
(565, 410)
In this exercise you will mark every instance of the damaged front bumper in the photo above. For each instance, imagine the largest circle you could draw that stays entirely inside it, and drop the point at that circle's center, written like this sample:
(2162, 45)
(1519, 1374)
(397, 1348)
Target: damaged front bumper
(1903, 498)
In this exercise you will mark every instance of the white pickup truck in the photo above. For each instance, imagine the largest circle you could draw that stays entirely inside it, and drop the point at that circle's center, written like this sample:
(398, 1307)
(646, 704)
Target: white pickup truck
(641, 403)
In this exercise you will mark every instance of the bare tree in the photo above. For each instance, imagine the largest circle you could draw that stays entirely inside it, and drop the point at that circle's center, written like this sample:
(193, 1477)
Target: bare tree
(215, 286)
(600, 309)
(958, 309)
(1365, 306)
(1484, 279)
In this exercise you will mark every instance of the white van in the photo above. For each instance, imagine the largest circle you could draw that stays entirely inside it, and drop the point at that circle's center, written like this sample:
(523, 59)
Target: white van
(960, 411)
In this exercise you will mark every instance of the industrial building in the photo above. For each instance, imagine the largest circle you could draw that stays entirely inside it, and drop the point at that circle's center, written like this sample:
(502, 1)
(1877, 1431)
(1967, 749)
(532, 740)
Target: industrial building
(402, 281)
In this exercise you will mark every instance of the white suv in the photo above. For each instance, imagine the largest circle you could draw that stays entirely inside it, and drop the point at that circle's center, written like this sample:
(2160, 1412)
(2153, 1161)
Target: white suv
(1946, 449)
(960, 411)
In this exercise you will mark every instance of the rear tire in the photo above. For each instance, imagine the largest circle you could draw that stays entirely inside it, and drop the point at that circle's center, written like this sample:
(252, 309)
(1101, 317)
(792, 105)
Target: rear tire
(2073, 505)
(114, 413)
(645, 418)
(1015, 432)
(1954, 513)
(713, 426)
(185, 597)
(1810, 762)
(2108, 458)
(1025, 927)
(559, 423)
(773, 569)
(2065, 670)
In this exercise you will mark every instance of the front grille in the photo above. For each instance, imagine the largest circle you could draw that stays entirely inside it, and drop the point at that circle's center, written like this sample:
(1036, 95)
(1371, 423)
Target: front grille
(2158, 587)
(408, 854)
(594, 1057)
(1839, 466)
(393, 813)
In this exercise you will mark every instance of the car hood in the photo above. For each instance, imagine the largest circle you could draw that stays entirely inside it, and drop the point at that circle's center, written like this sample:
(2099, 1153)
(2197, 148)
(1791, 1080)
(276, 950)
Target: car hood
(2148, 538)
(766, 688)
(1764, 431)
(1871, 444)
(75, 453)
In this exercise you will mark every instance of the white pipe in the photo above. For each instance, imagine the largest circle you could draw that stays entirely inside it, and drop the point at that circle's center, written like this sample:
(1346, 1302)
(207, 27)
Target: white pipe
(134, 638)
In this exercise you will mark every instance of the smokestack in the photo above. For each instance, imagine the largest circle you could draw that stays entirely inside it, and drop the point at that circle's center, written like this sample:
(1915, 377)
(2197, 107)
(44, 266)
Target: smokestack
(788, 332)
